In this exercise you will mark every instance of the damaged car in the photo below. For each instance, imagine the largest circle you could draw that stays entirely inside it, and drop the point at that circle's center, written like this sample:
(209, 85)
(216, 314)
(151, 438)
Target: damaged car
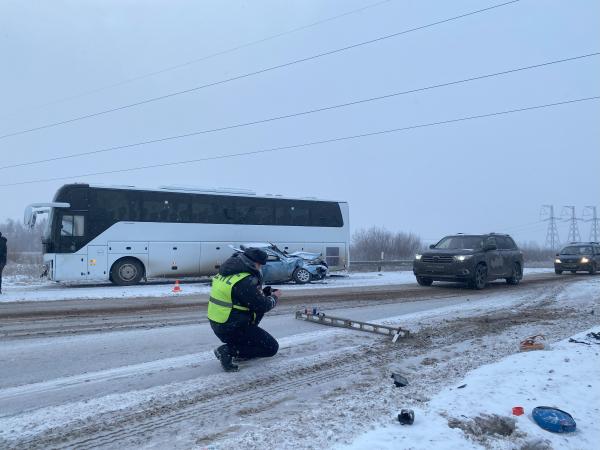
(300, 267)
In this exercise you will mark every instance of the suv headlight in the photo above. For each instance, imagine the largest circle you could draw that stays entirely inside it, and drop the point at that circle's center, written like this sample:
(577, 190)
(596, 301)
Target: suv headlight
(557, 261)
(584, 260)
(461, 258)
(418, 257)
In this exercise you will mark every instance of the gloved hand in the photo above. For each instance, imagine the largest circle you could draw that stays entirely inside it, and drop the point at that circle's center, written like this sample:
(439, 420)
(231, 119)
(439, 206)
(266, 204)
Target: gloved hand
(267, 290)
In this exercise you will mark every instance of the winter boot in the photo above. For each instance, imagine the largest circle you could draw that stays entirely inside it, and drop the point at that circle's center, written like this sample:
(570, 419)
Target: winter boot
(222, 353)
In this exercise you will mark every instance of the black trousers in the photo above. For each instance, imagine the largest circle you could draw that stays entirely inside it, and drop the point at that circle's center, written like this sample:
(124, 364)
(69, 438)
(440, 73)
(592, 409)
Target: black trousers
(1, 269)
(247, 342)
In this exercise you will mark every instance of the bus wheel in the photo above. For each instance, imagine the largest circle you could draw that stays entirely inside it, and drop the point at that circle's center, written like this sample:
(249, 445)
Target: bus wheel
(126, 272)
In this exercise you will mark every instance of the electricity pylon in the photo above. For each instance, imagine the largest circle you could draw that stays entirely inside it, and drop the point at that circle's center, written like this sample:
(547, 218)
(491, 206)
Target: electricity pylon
(552, 239)
(574, 235)
(594, 229)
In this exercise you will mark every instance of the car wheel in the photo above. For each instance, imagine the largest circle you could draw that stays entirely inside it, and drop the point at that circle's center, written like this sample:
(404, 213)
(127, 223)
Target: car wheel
(593, 269)
(126, 272)
(558, 272)
(424, 281)
(301, 276)
(480, 278)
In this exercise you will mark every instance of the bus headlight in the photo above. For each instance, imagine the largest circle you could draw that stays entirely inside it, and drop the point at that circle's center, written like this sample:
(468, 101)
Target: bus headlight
(584, 260)
(418, 257)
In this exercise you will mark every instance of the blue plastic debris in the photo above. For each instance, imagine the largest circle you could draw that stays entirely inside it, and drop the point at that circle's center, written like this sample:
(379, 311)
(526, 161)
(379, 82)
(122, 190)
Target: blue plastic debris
(553, 419)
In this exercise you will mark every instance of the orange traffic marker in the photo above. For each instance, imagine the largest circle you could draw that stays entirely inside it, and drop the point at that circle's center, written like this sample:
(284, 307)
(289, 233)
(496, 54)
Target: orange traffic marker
(176, 288)
(532, 343)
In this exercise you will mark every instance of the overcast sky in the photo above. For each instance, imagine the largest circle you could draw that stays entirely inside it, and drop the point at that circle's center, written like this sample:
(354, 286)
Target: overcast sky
(490, 174)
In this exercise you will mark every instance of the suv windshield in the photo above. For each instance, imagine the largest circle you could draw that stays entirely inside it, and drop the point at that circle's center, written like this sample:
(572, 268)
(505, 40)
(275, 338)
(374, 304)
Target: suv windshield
(461, 242)
(577, 250)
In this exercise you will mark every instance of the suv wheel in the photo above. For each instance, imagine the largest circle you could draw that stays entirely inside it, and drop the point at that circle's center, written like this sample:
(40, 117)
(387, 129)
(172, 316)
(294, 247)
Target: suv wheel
(558, 272)
(593, 269)
(480, 278)
(424, 281)
(516, 276)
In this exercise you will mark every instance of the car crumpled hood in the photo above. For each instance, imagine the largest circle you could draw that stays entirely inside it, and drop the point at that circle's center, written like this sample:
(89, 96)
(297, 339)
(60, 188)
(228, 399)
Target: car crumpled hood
(308, 256)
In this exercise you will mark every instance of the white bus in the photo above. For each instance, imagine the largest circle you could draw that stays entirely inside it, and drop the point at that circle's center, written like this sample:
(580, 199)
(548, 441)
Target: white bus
(126, 234)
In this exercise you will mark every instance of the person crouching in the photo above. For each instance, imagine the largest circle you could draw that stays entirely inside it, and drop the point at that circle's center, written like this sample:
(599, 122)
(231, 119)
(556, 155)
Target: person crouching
(236, 306)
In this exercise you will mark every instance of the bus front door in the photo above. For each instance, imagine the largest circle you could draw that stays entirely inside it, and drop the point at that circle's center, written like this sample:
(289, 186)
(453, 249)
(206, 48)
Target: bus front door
(96, 262)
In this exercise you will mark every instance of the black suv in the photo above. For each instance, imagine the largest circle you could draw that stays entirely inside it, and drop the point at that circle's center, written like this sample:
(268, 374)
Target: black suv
(576, 256)
(474, 259)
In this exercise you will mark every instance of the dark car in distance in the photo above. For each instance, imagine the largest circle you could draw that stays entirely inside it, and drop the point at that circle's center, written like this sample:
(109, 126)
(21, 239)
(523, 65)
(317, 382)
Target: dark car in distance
(578, 256)
(472, 259)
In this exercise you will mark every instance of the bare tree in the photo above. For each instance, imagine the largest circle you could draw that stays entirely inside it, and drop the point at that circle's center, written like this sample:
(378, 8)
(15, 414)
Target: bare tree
(367, 244)
(21, 239)
(533, 252)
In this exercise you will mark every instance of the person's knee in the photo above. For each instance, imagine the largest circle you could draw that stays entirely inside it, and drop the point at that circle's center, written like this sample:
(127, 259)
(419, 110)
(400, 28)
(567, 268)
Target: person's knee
(273, 348)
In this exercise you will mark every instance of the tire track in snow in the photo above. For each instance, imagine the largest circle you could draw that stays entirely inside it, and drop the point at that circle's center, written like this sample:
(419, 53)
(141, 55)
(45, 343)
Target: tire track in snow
(202, 406)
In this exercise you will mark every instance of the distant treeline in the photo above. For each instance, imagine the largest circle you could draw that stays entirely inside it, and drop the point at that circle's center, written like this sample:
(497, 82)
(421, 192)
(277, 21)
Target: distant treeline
(21, 239)
(532, 251)
(368, 244)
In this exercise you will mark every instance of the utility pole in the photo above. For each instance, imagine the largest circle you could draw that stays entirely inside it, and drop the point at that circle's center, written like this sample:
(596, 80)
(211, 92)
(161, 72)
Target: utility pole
(552, 239)
(574, 235)
(594, 229)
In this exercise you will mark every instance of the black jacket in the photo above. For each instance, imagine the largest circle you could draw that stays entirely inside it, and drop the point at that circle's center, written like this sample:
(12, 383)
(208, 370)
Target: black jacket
(2, 250)
(246, 292)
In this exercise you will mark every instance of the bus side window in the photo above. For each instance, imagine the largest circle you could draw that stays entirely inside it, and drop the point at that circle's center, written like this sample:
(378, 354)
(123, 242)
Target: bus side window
(263, 214)
(66, 228)
(283, 213)
(78, 225)
(72, 226)
(202, 211)
(226, 212)
(256, 211)
(325, 214)
(300, 215)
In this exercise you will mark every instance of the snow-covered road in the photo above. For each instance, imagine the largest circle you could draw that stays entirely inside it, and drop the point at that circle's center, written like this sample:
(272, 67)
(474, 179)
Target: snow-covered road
(18, 289)
(161, 387)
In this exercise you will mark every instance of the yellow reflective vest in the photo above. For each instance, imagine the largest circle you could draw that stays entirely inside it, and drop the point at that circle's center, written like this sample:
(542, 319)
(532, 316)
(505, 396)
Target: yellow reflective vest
(220, 303)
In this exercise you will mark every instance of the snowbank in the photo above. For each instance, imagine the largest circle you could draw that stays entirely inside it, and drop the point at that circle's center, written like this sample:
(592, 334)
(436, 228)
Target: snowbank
(15, 289)
(566, 375)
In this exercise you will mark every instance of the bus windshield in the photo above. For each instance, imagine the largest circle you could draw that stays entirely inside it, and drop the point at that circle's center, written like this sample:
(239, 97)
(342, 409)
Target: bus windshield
(46, 234)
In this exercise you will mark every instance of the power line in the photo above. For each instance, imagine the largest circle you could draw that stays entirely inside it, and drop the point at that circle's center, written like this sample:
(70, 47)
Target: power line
(209, 56)
(296, 114)
(309, 144)
(539, 227)
(524, 226)
(257, 72)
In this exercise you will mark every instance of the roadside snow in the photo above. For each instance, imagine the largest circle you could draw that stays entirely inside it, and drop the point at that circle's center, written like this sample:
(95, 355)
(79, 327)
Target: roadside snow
(15, 289)
(330, 376)
(39, 420)
(565, 376)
